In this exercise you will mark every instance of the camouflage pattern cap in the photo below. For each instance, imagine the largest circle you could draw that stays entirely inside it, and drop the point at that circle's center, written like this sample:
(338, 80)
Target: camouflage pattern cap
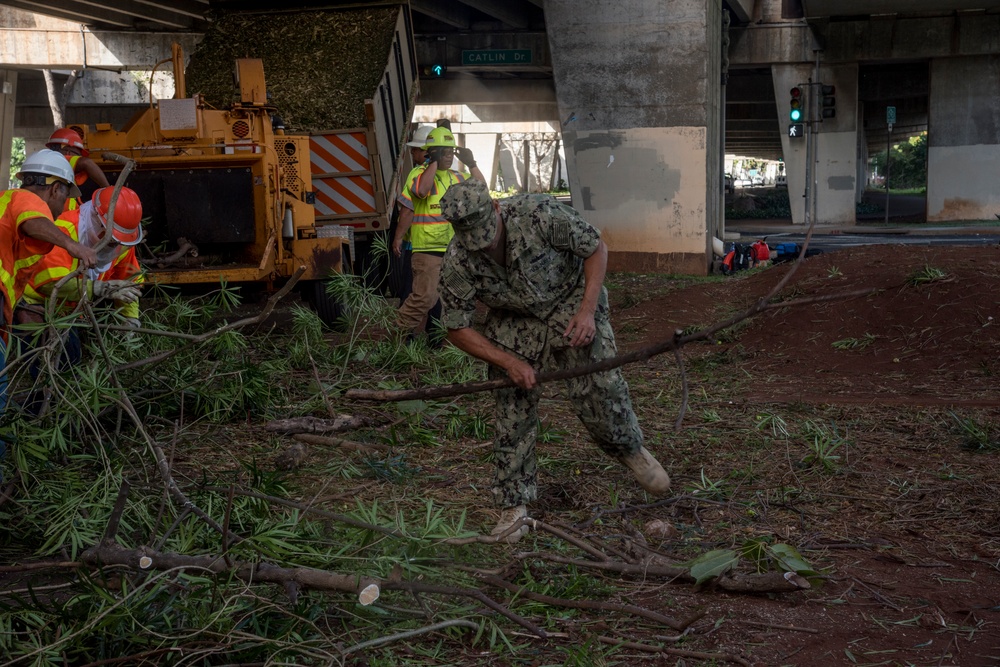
(469, 208)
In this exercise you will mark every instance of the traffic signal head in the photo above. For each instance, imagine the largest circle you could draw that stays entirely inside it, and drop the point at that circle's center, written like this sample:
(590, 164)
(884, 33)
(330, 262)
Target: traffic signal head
(438, 69)
(796, 113)
(829, 101)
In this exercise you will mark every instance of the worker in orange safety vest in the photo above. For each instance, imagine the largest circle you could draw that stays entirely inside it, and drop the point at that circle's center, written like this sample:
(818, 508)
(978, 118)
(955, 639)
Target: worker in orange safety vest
(117, 275)
(27, 233)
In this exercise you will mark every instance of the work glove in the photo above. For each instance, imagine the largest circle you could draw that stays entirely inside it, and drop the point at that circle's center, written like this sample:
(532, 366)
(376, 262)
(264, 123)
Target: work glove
(434, 154)
(465, 156)
(124, 291)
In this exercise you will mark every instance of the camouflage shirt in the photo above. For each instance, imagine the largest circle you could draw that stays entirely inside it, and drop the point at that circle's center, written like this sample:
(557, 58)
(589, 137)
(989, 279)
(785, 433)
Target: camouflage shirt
(540, 289)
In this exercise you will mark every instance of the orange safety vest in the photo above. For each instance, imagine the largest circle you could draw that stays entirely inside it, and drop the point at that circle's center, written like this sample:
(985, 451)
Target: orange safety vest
(18, 251)
(58, 264)
(430, 232)
(80, 177)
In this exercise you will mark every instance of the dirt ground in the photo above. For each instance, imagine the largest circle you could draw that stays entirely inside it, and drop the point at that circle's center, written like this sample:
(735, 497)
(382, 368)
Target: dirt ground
(906, 523)
(862, 431)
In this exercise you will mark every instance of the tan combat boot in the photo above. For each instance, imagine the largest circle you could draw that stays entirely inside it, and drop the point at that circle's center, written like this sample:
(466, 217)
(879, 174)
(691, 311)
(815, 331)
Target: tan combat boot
(648, 471)
(508, 518)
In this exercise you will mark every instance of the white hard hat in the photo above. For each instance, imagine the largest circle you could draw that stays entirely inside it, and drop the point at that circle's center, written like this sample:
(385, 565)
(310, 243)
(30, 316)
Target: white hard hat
(50, 163)
(420, 136)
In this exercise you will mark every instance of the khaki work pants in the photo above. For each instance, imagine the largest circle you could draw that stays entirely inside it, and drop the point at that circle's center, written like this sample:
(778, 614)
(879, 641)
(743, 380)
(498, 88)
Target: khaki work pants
(426, 276)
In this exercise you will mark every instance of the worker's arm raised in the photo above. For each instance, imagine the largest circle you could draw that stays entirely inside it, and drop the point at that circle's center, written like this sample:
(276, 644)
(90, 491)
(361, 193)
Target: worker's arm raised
(95, 173)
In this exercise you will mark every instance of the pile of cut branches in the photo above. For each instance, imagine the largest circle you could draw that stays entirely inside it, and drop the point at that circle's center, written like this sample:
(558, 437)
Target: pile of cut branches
(319, 66)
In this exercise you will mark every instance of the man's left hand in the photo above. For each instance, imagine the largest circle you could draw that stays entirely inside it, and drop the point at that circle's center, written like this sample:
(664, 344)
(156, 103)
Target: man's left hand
(466, 157)
(581, 330)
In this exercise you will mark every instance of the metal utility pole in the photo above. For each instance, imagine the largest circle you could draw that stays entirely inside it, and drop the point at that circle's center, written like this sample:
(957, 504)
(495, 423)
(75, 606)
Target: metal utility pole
(890, 118)
(810, 130)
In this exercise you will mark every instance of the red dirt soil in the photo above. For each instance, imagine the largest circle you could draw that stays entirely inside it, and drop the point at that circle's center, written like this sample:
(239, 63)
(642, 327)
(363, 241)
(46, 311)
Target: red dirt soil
(907, 525)
(933, 343)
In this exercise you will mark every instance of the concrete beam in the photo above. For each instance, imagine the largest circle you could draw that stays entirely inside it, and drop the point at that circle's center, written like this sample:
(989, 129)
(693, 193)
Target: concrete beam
(825, 8)
(71, 14)
(501, 11)
(874, 40)
(194, 8)
(130, 9)
(96, 87)
(477, 91)
(742, 9)
(73, 48)
(456, 16)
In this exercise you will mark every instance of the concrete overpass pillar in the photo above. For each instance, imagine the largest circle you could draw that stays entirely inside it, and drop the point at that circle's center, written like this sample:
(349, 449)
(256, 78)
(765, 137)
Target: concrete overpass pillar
(484, 147)
(638, 86)
(834, 173)
(963, 152)
(8, 95)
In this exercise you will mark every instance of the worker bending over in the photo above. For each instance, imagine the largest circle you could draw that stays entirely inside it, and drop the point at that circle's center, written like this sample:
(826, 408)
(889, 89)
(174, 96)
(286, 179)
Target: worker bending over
(116, 276)
(539, 268)
(27, 233)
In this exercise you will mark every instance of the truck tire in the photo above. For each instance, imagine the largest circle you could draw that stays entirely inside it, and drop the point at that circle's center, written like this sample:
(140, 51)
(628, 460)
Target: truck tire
(329, 309)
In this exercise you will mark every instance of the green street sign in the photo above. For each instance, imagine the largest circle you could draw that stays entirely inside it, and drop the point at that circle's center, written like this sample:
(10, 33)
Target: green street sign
(496, 57)
(890, 115)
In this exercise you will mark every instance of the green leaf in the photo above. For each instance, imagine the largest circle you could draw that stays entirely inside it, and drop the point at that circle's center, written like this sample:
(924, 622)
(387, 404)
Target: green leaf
(712, 564)
(791, 561)
(412, 407)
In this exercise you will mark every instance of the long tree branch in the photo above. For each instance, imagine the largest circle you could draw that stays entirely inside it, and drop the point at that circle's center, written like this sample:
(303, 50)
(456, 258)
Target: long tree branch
(675, 342)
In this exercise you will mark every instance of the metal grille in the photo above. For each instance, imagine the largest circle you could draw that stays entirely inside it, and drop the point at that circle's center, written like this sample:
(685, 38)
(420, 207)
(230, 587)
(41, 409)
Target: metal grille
(289, 161)
(241, 129)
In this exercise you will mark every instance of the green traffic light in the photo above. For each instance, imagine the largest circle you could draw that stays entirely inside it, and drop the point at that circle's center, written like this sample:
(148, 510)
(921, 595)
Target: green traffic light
(438, 70)
(795, 115)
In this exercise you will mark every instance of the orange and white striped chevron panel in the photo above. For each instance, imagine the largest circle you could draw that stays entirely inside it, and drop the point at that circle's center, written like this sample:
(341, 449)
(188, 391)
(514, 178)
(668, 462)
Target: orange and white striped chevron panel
(336, 160)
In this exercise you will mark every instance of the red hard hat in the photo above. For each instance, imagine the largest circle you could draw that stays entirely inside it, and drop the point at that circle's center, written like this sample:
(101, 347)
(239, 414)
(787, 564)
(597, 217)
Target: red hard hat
(67, 137)
(128, 214)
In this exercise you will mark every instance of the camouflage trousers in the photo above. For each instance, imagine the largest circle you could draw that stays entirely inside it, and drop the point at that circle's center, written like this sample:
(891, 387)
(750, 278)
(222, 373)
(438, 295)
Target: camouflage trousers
(601, 402)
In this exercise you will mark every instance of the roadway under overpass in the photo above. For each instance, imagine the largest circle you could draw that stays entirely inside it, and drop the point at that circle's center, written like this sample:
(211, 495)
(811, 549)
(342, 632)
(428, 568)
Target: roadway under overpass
(645, 96)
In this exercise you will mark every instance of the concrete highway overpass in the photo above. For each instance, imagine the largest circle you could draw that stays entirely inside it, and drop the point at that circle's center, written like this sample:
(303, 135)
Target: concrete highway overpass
(648, 95)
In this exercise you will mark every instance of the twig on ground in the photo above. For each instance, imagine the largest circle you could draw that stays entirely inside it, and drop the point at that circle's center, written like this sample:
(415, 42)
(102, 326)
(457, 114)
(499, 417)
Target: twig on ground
(673, 651)
(46, 565)
(762, 624)
(111, 530)
(317, 425)
(323, 441)
(381, 641)
(656, 617)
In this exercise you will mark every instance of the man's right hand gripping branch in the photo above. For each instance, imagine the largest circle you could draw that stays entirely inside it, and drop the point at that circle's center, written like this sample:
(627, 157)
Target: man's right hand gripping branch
(125, 291)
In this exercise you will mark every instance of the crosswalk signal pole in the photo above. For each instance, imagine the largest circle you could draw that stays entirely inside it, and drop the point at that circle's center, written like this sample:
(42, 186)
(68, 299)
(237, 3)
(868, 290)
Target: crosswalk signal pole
(888, 152)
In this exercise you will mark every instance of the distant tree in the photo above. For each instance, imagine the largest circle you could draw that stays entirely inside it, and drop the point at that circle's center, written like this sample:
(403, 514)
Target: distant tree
(17, 155)
(909, 163)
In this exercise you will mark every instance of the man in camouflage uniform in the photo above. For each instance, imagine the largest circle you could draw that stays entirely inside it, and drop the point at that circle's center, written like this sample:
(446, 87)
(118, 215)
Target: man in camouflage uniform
(539, 267)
